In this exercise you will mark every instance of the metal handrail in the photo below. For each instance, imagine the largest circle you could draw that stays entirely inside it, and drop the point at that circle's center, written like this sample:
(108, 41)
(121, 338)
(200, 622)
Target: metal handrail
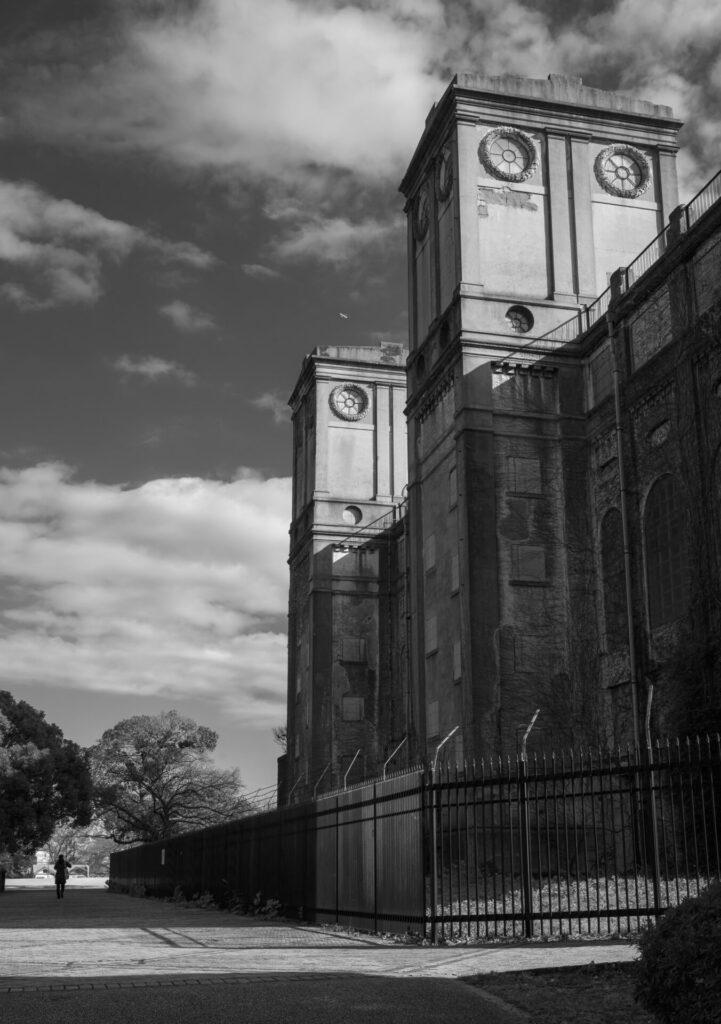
(646, 258)
(703, 200)
(376, 525)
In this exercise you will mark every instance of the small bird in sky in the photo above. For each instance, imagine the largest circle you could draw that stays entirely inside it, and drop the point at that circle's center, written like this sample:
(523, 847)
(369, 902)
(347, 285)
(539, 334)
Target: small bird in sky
(343, 316)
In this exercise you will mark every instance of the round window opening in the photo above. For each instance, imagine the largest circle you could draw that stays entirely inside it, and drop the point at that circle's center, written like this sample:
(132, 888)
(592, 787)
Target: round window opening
(352, 515)
(519, 319)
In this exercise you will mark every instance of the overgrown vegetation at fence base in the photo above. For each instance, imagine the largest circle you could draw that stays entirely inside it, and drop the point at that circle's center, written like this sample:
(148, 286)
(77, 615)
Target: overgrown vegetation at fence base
(258, 905)
(679, 974)
(608, 907)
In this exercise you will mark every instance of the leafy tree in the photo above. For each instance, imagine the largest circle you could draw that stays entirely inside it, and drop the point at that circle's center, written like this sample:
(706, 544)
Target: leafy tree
(44, 778)
(154, 778)
(88, 845)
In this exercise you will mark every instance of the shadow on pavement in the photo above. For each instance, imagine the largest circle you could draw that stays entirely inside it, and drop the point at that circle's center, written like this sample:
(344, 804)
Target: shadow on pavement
(40, 908)
(258, 999)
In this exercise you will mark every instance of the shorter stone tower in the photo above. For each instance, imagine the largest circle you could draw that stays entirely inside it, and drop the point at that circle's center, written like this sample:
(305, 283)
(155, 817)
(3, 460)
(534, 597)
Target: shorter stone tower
(346, 644)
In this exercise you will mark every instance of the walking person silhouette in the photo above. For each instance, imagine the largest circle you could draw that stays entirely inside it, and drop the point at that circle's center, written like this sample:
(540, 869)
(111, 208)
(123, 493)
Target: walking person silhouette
(62, 870)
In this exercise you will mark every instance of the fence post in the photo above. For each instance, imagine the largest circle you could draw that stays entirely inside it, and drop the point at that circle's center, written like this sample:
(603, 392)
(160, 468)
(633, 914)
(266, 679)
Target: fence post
(375, 857)
(337, 860)
(434, 856)
(652, 802)
(526, 878)
(525, 815)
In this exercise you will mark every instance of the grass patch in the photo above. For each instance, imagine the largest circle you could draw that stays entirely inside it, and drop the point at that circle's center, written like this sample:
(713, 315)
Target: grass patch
(592, 994)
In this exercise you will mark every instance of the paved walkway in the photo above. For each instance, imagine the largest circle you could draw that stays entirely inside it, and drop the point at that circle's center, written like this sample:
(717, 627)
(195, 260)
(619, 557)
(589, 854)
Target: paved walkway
(96, 940)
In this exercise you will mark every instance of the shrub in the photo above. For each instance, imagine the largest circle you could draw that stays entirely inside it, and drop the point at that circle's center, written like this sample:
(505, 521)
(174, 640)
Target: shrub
(679, 974)
(266, 907)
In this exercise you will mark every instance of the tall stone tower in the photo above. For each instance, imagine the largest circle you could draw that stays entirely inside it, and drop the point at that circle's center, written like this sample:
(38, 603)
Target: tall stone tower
(347, 652)
(523, 196)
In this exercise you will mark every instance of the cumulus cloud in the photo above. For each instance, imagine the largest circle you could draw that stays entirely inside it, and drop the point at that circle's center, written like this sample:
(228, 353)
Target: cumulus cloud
(349, 89)
(350, 84)
(335, 240)
(666, 52)
(153, 368)
(186, 318)
(176, 588)
(259, 271)
(275, 404)
(61, 250)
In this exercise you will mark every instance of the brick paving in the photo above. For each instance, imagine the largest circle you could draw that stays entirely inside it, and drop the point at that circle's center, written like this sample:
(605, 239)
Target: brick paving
(94, 939)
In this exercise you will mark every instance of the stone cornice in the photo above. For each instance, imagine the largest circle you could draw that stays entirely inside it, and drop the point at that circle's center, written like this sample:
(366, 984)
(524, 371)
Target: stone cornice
(535, 369)
(435, 396)
(654, 397)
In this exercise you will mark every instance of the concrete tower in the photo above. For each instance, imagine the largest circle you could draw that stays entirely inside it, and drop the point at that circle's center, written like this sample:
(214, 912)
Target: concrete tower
(523, 196)
(346, 648)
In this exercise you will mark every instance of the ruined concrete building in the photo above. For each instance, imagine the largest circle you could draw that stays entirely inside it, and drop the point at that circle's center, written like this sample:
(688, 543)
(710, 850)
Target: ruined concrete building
(522, 510)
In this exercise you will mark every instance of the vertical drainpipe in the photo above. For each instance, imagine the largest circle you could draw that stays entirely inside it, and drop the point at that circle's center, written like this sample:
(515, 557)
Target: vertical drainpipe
(617, 280)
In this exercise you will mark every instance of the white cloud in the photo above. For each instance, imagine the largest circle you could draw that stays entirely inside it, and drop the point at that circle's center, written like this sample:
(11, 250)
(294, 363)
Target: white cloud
(186, 318)
(174, 589)
(275, 404)
(62, 250)
(224, 84)
(259, 272)
(154, 368)
(663, 51)
(274, 95)
(335, 240)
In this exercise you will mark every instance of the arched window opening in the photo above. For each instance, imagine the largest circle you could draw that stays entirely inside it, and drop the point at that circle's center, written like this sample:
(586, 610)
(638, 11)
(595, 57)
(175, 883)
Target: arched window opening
(666, 554)
(614, 579)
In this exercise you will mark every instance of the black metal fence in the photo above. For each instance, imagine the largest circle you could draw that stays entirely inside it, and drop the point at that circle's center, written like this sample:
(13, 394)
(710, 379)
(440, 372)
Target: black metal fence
(593, 843)
(355, 857)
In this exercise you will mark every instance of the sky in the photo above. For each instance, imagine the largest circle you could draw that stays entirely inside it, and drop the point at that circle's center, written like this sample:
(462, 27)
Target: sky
(192, 192)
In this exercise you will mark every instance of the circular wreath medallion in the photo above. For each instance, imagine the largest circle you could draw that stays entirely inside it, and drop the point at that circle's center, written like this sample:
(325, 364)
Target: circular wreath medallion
(622, 170)
(349, 402)
(509, 154)
(421, 214)
(444, 175)
(659, 434)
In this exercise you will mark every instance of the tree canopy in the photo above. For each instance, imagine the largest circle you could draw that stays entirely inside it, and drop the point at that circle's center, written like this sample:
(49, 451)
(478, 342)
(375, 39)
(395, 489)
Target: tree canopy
(88, 845)
(154, 778)
(45, 778)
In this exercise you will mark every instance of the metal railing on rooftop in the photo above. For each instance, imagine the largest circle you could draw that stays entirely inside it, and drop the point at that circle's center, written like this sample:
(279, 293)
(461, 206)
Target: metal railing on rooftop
(646, 258)
(570, 329)
(376, 526)
(703, 200)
